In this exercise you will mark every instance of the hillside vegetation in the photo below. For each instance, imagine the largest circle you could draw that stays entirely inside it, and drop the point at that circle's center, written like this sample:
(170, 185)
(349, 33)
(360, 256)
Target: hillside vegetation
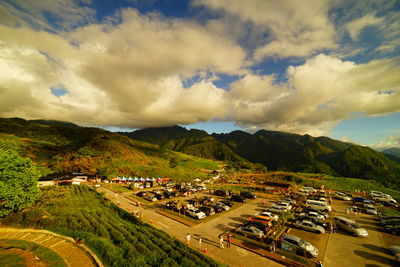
(63, 147)
(280, 151)
(116, 236)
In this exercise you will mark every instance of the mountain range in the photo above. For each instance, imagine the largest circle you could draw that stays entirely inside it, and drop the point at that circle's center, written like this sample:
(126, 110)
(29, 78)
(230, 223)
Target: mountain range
(176, 152)
(279, 151)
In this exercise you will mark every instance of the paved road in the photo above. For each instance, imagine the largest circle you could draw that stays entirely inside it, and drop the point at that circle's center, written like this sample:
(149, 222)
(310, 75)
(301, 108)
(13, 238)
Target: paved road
(64, 246)
(209, 231)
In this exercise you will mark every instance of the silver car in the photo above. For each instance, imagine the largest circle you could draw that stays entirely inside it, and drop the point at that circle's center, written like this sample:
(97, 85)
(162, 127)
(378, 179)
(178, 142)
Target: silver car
(295, 241)
(249, 231)
(350, 226)
(310, 226)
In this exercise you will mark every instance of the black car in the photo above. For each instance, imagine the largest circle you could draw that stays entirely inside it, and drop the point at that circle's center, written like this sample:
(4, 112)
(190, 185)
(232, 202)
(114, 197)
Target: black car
(263, 227)
(208, 210)
(159, 196)
(141, 194)
(238, 198)
(227, 202)
(248, 194)
(222, 193)
(217, 207)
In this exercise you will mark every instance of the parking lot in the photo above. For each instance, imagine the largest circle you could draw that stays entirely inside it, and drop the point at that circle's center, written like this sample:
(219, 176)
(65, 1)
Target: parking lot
(338, 249)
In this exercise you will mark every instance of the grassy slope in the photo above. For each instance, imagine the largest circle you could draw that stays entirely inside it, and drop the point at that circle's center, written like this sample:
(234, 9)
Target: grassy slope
(113, 234)
(61, 148)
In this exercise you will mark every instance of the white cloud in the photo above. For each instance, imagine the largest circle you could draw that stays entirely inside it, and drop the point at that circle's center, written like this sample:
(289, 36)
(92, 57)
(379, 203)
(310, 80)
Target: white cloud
(126, 74)
(318, 94)
(293, 28)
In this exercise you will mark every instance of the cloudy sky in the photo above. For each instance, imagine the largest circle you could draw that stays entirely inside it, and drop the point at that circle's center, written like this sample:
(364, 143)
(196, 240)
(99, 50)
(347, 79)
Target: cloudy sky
(322, 67)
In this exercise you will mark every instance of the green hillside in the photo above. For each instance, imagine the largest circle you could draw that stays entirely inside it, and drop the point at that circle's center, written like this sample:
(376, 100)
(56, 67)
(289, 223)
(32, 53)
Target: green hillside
(392, 153)
(61, 147)
(193, 142)
(279, 151)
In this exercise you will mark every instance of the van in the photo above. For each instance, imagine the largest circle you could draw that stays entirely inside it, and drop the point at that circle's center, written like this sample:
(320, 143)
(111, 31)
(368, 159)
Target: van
(350, 226)
(318, 205)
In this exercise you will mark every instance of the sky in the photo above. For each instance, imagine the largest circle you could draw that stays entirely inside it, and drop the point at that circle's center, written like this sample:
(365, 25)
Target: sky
(317, 67)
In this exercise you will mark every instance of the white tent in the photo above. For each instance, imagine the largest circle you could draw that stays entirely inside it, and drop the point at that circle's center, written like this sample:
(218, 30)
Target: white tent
(197, 180)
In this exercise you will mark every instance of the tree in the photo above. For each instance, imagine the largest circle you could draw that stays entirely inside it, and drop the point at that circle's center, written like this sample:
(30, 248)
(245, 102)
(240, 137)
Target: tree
(18, 182)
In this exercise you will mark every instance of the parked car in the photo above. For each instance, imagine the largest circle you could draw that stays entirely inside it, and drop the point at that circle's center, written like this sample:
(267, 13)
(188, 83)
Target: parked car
(370, 209)
(350, 226)
(322, 224)
(222, 193)
(312, 214)
(284, 205)
(310, 226)
(262, 226)
(208, 210)
(248, 194)
(393, 228)
(325, 214)
(227, 202)
(159, 196)
(297, 242)
(342, 196)
(141, 194)
(273, 217)
(150, 198)
(225, 207)
(262, 219)
(250, 231)
(390, 218)
(277, 210)
(289, 200)
(217, 208)
(238, 198)
(196, 213)
(396, 251)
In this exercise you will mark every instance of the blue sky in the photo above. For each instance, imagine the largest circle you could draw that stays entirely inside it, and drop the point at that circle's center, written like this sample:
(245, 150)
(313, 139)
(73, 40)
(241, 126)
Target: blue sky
(323, 67)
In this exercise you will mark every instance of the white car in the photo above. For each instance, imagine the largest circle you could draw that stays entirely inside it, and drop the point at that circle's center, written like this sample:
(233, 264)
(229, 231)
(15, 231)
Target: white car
(196, 213)
(273, 217)
(310, 226)
(342, 196)
(284, 205)
(314, 215)
(370, 209)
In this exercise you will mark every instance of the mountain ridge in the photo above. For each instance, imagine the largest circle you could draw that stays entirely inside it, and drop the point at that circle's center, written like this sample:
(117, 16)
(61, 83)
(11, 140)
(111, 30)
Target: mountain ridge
(283, 151)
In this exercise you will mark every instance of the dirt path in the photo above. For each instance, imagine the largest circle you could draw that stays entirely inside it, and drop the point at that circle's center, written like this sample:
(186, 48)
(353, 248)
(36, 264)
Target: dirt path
(65, 246)
(234, 256)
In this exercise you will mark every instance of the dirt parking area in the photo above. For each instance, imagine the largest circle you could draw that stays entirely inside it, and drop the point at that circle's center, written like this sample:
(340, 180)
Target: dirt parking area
(343, 249)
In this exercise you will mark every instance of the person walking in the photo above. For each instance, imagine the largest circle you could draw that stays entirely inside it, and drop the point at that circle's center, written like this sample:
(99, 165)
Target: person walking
(187, 239)
(228, 241)
(221, 241)
(331, 228)
(273, 246)
(200, 242)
